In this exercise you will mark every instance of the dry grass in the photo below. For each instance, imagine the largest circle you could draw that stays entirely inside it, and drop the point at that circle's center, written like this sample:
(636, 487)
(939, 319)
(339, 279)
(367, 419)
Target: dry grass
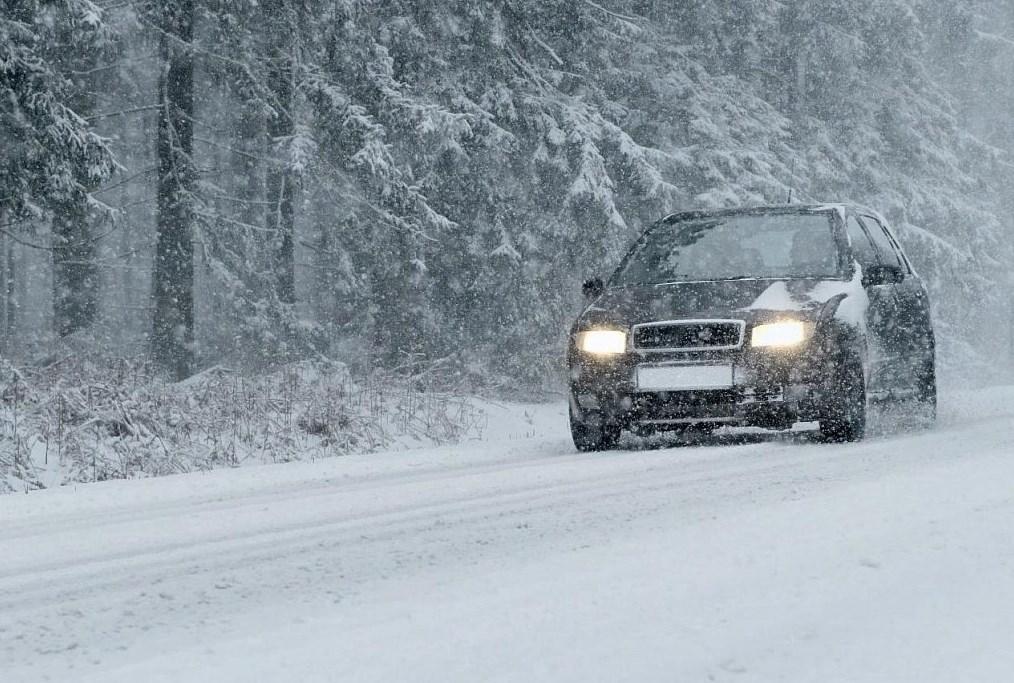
(76, 421)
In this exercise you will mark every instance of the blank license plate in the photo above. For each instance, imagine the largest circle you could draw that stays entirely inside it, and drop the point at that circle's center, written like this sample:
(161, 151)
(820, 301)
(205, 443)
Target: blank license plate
(684, 377)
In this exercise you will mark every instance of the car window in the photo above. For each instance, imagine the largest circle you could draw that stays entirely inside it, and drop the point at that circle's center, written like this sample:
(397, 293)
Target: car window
(888, 253)
(730, 247)
(862, 247)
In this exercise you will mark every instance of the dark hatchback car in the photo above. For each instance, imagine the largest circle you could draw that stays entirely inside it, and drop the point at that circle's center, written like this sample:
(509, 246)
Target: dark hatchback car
(752, 317)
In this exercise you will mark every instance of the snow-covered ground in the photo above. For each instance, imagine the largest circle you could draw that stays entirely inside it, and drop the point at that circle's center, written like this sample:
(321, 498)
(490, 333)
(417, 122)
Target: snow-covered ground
(516, 558)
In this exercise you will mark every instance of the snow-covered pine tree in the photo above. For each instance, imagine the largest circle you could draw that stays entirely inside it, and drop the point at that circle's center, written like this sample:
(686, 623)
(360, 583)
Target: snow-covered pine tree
(76, 44)
(545, 141)
(247, 58)
(463, 164)
(51, 159)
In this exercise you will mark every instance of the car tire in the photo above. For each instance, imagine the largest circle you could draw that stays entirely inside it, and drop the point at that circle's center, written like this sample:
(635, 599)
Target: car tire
(593, 435)
(926, 395)
(845, 415)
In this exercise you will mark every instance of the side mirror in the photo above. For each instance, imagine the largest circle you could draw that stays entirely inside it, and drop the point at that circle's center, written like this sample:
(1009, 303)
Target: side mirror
(593, 288)
(883, 274)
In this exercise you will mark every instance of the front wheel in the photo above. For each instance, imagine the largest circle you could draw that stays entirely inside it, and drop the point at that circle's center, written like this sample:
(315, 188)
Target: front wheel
(927, 391)
(845, 414)
(593, 435)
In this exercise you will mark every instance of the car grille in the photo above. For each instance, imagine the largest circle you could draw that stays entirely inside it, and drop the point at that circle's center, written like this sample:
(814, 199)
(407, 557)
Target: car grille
(689, 335)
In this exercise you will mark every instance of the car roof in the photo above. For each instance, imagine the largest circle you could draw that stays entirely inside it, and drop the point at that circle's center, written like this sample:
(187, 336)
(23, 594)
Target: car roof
(774, 209)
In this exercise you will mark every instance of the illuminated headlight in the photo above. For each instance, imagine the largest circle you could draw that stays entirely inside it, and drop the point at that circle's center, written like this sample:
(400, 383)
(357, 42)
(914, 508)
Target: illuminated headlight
(780, 334)
(602, 342)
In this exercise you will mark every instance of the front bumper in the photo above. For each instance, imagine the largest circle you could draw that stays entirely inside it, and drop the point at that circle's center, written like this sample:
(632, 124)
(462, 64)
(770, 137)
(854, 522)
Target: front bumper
(771, 389)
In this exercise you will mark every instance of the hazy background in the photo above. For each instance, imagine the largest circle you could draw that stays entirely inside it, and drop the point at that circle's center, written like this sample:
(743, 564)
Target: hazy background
(399, 184)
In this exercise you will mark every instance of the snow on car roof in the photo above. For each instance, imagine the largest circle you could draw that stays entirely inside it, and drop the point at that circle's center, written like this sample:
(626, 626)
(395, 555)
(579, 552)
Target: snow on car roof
(839, 208)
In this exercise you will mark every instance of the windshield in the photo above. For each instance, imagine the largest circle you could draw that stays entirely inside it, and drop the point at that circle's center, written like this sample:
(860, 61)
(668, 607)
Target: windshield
(734, 247)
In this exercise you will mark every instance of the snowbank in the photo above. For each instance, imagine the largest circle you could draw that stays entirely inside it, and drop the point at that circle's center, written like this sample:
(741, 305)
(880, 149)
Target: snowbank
(77, 422)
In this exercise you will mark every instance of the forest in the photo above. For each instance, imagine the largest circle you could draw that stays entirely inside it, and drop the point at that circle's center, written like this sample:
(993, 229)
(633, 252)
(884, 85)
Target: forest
(412, 186)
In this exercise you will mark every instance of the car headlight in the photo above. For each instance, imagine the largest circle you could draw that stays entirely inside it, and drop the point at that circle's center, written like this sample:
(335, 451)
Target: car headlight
(780, 334)
(602, 342)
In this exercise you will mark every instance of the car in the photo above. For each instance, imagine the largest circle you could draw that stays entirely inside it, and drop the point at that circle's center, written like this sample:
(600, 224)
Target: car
(759, 317)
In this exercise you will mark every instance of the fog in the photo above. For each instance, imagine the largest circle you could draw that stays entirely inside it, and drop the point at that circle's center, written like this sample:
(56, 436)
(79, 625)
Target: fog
(396, 184)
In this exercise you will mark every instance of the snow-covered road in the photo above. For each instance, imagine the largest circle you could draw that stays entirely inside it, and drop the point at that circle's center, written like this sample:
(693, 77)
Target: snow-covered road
(519, 559)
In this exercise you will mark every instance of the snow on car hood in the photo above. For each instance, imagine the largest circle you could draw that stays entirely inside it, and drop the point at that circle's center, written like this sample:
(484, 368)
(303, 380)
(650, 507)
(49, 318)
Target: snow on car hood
(805, 295)
(746, 298)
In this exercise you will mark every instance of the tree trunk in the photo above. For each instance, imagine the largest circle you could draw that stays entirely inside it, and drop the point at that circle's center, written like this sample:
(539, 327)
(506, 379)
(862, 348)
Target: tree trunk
(281, 181)
(22, 302)
(248, 176)
(75, 273)
(75, 276)
(11, 294)
(7, 303)
(173, 334)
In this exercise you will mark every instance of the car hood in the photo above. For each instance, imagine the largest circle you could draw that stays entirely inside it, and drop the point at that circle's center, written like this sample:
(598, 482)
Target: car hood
(746, 299)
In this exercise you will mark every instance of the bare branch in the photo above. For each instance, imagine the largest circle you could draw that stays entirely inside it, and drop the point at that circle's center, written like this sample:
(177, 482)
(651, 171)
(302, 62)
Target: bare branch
(122, 112)
(611, 13)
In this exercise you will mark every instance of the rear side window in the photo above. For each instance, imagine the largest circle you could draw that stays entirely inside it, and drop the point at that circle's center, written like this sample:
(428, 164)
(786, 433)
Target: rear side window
(862, 247)
(888, 253)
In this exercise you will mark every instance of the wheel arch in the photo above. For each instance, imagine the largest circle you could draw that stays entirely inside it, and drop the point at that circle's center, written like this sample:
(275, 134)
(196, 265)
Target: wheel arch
(839, 338)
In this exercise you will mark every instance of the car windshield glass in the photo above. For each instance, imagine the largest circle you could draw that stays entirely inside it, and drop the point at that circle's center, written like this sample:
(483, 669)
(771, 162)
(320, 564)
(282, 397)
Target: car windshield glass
(734, 247)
